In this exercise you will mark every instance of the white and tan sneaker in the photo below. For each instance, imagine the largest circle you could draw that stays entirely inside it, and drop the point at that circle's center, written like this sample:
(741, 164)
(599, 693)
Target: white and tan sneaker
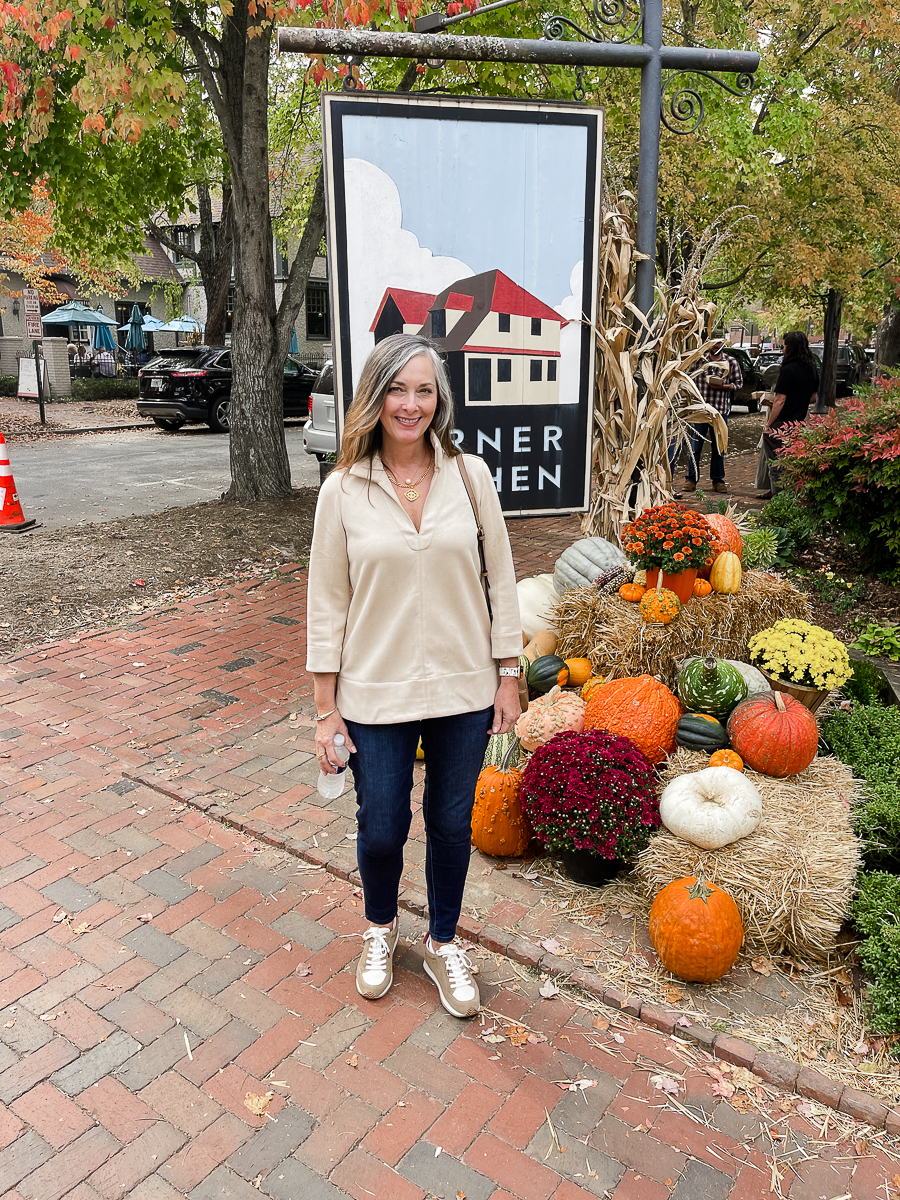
(451, 971)
(375, 969)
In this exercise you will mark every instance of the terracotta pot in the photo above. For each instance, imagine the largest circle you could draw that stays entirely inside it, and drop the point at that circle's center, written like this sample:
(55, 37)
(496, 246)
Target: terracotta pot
(681, 584)
(809, 697)
(584, 866)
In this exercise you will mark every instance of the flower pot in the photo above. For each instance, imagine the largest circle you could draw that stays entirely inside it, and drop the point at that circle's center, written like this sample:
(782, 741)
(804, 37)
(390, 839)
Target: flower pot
(584, 866)
(681, 584)
(809, 697)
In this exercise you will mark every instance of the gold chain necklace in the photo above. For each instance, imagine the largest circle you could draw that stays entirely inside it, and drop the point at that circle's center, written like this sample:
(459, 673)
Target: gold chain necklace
(410, 493)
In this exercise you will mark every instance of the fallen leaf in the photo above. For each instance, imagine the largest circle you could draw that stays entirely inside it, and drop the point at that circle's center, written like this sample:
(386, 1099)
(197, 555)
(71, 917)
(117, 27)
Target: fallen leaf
(762, 966)
(81, 927)
(61, 916)
(549, 989)
(499, 866)
(493, 1039)
(844, 998)
(578, 1085)
(674, 994)
(600, 1023)
(683, 1022)
(460, 1195)
(551, 945)
(861, 1048)
(9, 1024)
(861, 1146)
(535, 1039)
(352, 1061)
(145, 917)
(258, 1104)
(665, 1083)
(805, 1109)
(517, 1034)
(302, 969)
(617, 1037)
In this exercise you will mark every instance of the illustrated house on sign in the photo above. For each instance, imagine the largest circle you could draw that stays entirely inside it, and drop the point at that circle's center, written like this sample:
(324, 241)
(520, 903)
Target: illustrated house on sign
(502, 343)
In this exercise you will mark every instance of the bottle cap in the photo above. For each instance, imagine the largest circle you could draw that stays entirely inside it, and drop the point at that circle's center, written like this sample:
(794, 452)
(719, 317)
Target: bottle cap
(339, 739)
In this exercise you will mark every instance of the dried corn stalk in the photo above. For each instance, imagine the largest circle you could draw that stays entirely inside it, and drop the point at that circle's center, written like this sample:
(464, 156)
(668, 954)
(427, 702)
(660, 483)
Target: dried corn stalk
(644, 396)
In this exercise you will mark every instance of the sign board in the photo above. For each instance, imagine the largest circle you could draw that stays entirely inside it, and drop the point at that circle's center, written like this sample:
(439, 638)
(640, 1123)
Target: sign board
(31, 302)
(475, 223)
(28, 378)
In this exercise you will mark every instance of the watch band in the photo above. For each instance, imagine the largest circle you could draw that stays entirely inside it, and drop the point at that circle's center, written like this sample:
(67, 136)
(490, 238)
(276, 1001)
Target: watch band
(515, 672)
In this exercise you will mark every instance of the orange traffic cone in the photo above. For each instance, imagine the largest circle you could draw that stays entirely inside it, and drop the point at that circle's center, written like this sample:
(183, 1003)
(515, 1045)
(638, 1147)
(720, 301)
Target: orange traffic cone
(12, 519)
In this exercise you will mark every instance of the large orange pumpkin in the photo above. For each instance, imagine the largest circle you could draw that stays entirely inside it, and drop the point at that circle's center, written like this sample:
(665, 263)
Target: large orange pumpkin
(696, 930)
(499, 826)
(727, 533)
(641, 709)
(774, 734)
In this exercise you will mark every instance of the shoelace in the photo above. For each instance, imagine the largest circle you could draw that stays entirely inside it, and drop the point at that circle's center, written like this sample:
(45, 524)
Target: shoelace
(379, 950)
(458, 966)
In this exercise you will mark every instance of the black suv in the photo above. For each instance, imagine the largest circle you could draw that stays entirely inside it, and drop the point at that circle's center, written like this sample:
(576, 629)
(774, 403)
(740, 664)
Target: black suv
(752, 379)
(193, 383)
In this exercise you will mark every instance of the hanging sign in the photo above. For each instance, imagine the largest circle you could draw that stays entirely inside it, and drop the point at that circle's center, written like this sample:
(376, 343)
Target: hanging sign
(475, 223)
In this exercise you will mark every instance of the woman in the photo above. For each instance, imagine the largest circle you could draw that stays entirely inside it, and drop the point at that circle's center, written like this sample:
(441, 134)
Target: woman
(401, 645)
(796, 389)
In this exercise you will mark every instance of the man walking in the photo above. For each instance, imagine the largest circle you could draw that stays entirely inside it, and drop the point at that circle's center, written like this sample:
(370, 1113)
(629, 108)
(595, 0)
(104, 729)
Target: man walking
(717, 382)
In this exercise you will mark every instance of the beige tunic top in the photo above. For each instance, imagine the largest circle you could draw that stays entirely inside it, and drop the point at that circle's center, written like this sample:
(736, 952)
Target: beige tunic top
(399, 613)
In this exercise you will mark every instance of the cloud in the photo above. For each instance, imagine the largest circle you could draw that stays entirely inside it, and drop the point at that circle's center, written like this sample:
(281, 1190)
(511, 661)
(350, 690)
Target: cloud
(381, 253)
(570, 338)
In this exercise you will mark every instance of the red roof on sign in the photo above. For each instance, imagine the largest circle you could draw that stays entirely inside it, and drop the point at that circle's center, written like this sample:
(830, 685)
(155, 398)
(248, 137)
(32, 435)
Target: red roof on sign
(413, 306)
(510, 298)
(458, 302)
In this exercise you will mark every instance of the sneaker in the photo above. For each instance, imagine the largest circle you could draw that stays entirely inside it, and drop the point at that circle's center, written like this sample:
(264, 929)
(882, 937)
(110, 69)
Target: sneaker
(375, 969)
(719, 486)
(451, 971)
(689, 485)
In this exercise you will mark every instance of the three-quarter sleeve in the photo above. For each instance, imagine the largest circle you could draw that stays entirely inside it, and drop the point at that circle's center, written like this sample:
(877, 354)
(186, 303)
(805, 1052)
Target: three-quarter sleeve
(328, 595)
(506, 624)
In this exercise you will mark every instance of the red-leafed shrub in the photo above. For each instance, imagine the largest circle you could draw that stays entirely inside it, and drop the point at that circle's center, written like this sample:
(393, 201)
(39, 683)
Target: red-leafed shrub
(846, 467)
(591, 791)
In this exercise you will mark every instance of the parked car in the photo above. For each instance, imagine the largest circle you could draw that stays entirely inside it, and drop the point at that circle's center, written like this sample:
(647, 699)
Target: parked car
(193, 384)
(853, 367)
(752, 379)
(320, 432)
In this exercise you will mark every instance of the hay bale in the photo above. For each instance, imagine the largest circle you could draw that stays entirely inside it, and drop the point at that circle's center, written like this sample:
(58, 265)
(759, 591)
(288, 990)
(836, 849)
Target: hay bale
(617, 639)
(793, 878)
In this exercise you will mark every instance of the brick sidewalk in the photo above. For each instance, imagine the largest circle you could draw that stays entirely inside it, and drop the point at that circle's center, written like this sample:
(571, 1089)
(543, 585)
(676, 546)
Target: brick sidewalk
(158, 970)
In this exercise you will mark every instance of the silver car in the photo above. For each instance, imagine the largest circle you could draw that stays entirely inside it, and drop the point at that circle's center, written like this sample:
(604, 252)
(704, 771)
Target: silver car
(319, 432)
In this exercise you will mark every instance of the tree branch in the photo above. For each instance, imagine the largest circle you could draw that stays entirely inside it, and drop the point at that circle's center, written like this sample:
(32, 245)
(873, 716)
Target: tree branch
(714, 287)
(170, 243)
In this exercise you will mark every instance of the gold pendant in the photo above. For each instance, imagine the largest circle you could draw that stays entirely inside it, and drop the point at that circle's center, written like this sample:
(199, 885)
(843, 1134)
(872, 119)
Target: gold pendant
(411, 494)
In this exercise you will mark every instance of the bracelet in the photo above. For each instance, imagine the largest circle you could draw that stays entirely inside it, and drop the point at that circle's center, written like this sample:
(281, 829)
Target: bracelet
(328, 714)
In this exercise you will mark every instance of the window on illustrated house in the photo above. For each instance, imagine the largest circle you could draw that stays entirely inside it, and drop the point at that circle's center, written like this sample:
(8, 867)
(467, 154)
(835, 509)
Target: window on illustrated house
(551, 371)
(503, 322)
(535, 326)
(536, 374)
(318, 317)
(504, 370)
(479, 380)
(439, 323)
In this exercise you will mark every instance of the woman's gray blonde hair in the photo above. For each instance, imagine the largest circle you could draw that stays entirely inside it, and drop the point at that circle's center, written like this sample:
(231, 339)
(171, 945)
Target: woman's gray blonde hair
(362, 424)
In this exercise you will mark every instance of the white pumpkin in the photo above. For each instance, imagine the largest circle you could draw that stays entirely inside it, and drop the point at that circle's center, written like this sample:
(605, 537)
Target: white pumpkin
(581, 563)
(755, 680)
(711, 808)
(537, 596)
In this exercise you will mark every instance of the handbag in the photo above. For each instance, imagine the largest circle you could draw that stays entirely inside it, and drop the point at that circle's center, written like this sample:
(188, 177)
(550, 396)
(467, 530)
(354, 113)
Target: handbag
(484, 573)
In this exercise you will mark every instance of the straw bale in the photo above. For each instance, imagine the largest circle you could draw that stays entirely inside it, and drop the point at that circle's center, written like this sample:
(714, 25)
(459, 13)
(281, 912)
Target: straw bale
(793, 878)
(618, 641)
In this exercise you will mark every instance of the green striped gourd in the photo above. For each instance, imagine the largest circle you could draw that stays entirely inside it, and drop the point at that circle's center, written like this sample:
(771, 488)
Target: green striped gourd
(711, 685)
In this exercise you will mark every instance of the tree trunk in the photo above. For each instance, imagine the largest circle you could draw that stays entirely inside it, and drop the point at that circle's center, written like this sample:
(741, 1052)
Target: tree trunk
(887, 342)
(215, 261)
(828, 382)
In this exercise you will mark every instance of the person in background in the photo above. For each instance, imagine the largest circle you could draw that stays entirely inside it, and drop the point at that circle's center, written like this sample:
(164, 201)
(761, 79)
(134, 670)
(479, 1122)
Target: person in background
(717, 387)
(103, 364)
(401, 645)
(796, 388)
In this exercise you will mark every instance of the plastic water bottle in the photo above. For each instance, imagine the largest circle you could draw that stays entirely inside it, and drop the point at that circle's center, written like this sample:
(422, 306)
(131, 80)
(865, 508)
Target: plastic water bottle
(330, 786)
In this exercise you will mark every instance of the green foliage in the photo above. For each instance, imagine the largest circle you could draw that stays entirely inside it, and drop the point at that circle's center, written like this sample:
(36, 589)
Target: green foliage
(867, 685)
(793, 523)
(714, 504)
(9, 385)
(868, 740)
(836, 591)
(847, 468)
(760, 549)
(875, 912)
(104, 389)
(879, 641)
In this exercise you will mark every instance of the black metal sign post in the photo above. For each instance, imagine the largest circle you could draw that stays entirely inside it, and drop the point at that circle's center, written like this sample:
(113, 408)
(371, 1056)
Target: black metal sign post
(683, 113)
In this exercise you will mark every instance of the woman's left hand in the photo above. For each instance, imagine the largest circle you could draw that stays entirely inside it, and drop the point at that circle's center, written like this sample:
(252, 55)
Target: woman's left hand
(507, 708)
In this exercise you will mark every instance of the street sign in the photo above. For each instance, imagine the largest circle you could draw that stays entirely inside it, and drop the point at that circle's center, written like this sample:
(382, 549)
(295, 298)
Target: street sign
(32, 304)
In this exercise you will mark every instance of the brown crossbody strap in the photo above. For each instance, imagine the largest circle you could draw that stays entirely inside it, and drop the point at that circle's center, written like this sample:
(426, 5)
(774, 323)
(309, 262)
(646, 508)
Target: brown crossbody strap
(484, 574)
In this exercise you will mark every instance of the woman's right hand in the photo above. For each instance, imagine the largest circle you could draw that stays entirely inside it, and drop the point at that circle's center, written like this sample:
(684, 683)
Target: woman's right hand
(325, 752)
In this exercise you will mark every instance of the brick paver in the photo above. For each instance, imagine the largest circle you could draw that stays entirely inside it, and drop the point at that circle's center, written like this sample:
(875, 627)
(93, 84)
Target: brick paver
(160, 960)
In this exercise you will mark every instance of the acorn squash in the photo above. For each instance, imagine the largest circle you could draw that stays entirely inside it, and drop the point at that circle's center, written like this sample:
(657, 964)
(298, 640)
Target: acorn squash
(546, 672)
(697, 731)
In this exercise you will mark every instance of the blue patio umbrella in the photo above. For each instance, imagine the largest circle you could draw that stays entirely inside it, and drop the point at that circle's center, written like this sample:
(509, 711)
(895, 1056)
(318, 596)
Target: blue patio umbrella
(103, 339)
(149, 324)
(295, 345)
(75, 313)
(135, 340)
(182, 324)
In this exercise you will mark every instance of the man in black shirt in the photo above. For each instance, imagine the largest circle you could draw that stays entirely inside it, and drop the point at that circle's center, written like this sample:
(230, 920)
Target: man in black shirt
(795, 389)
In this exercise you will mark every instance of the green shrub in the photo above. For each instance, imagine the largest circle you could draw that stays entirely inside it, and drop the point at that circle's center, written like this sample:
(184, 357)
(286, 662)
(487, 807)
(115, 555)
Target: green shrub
(9, 385)
(868, 740)
(794, 524)
(875, 912)
(846, 466)
(760, 549)
(879, 641)
(104, 389)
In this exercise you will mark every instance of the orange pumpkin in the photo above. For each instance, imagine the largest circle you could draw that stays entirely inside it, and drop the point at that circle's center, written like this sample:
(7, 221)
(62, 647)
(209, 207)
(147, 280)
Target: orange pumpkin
(702, 587)
(632, 592)
(726, 758)
(727, 533)
(774, 734)
(696, 930)
(499, 826)
(641, 709)
(591, 686)
(579, 671)
(659, 606)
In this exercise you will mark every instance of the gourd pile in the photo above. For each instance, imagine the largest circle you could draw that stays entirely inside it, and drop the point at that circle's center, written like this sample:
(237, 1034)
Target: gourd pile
(720, 741)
